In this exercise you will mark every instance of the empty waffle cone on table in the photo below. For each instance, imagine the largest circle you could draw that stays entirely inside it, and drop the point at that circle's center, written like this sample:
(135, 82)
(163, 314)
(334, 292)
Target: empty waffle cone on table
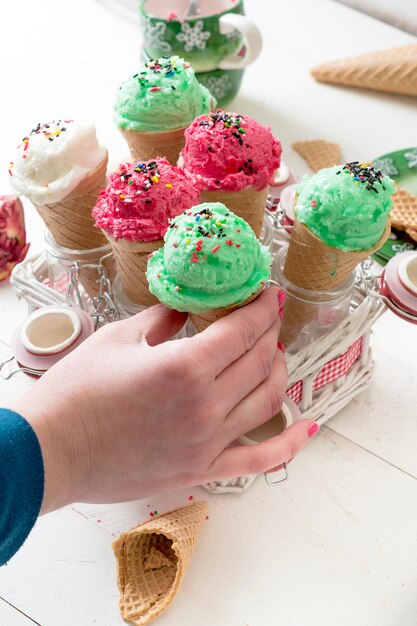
(391, 71)
(134, 212)
(156, 104)
(152, 559)
(61, 168)
(236, 158)
(318, 153)
(211, 264)
(341, 217)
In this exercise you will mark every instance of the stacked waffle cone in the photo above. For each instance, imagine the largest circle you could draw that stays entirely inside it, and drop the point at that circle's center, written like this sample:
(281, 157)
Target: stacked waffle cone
(404, 212)
(131, 261)
(147, 146)
(69, 221)
(315, 266)
(391, 71)
(249, 204)
(152, 559)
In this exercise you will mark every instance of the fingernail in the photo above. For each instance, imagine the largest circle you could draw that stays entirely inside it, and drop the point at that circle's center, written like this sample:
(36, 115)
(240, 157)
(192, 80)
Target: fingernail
(281, 346)
(281, 301)
(313, 430)
(281, 298)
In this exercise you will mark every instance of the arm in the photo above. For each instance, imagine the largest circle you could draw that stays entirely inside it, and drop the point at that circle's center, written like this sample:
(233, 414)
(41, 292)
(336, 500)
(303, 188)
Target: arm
(21, 482)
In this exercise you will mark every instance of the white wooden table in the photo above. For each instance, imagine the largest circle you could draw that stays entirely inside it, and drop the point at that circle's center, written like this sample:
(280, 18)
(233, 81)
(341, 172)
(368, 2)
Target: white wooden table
(336, 544)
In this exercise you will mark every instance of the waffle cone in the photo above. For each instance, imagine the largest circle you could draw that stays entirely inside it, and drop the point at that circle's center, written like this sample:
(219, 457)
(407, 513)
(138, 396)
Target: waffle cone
(131, 263)
(248, 204)
(313, 265)
(69, 220)
(391, 71)
(404, 212)
(318, 153)
(201, 321)
(147, 146)
(152, 559)
(412, 234)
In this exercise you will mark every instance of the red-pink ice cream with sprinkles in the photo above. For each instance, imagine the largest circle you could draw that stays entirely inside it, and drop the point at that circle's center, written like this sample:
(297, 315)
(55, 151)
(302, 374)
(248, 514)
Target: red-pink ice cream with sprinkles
(230, 152)
(141, 198)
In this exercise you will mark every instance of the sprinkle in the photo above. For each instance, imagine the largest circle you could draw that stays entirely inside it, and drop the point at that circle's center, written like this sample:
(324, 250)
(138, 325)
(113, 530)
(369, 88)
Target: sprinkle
(207, 517)
(313, 203)
(187, 241)
(229, 242)
(197, 219)
(168, 186)
(238, 230)
(122, 196)
(190, 497)
(151, 514)
(158, 275)
(128, 200)
(238, 245)
(175, 245)
(155, 512)
(155, 89)
(178, 288)
(214, 250)
(155, 179)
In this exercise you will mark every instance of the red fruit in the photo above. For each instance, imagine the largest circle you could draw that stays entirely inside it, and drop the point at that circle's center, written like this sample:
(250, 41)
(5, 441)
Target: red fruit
(13, 246)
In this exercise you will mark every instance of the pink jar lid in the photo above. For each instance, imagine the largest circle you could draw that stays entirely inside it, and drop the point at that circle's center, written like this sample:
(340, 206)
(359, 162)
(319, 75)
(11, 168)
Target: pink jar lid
(398, 283)
(49, 334)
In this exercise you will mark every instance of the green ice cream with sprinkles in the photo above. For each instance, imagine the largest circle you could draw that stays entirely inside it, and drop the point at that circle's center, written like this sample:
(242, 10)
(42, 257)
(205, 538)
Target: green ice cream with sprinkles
(348, 206)
(211, 259)
(162, 95)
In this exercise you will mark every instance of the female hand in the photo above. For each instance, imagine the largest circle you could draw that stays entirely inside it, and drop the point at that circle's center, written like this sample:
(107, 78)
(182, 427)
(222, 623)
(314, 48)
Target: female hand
(128, 414)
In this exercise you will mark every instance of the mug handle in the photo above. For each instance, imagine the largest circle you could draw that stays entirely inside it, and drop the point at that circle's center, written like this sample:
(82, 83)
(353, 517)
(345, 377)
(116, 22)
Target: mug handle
(252, 38)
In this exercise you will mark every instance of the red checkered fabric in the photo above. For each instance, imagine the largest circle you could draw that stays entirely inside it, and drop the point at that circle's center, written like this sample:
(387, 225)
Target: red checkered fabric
(331, 371)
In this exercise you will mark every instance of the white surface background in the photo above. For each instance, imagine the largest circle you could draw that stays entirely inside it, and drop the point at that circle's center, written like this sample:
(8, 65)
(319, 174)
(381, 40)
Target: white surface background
(335, 545)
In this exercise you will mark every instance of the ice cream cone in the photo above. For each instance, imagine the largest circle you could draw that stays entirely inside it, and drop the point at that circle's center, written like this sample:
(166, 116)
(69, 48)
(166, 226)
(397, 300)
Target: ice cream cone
(131, 262)
(318, 153)
(391, 71)
(404, 212)
(69, 220)
(201, 321)
(315, 266)
(152, 559)
(249, 204)
(147, 146)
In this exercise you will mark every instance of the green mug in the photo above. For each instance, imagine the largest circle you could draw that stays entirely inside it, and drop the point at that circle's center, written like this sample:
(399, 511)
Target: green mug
(212, 40)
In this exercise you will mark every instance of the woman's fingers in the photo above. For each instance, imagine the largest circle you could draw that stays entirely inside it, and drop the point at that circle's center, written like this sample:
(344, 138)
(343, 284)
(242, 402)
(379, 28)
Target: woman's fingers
(260, 405)
(243, 376)
(244, 460)
(154, 325)
(230, 337)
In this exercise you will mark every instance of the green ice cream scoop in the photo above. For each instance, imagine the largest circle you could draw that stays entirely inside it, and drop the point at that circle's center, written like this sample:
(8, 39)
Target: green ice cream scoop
(211, 259)
(346, 207)
(163, 94)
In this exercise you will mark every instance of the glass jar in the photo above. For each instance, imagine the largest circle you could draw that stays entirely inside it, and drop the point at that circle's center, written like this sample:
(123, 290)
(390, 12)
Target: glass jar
(309, 315)
(80, 275)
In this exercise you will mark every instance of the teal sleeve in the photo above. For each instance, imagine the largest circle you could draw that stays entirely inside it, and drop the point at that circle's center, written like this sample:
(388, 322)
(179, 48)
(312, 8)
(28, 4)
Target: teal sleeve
(21, 482)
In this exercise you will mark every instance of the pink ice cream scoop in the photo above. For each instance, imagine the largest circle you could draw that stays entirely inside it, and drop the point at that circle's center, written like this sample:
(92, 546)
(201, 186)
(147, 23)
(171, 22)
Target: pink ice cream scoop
(230, 152)
(141, 198)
